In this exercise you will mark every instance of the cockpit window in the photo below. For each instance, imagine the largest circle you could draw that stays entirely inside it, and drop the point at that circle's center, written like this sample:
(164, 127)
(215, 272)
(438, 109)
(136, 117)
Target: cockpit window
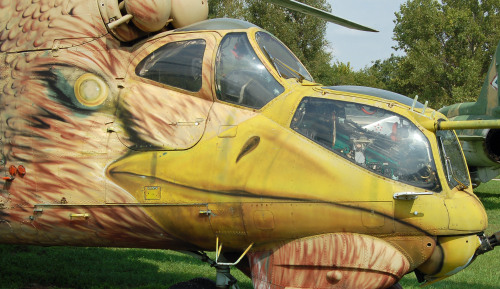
(378, 140)
(241, 78)
(280, 56)
(176, 64)
(452, 159)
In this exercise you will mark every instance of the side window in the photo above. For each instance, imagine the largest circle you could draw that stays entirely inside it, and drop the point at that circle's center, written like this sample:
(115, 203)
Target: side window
(176, 64)
(378, 140)
(284, 61)
(452, 159)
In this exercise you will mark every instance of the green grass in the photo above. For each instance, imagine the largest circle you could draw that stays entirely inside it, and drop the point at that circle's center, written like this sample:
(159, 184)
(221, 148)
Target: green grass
(32, 267)
(68, 267)
(489, 194)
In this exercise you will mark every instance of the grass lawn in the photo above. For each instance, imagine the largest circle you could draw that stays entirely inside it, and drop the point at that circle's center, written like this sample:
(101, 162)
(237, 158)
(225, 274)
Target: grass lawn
(32, 267)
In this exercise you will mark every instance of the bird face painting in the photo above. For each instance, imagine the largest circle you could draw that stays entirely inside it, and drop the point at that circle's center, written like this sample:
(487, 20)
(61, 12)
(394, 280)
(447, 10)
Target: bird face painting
(66, 114)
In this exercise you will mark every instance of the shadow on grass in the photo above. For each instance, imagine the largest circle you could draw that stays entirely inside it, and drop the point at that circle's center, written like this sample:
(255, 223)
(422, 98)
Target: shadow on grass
(490, 201)
(32, 267)
(482, 195)
(489, 194)
(444, 284)
(66, 267)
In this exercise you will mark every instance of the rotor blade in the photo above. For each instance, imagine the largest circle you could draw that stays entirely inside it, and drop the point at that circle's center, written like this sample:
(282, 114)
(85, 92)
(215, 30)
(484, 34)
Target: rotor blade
(309, 10)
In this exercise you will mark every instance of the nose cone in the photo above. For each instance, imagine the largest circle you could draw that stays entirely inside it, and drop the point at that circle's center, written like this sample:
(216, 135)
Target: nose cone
(467, 218)
(452, 255)
(467, 213)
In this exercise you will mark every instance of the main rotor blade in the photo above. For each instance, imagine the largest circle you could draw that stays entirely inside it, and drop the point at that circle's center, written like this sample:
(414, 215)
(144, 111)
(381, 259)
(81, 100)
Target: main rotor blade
(309, 10)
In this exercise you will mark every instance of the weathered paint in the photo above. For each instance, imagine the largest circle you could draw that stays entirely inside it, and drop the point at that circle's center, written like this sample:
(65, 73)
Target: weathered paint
(153, 166)
(341, 260)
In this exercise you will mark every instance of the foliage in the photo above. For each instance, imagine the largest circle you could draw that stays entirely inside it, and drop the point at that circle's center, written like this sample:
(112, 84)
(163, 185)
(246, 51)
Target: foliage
(343, 74)
(227, 9)
(448, 44)
(387, 72)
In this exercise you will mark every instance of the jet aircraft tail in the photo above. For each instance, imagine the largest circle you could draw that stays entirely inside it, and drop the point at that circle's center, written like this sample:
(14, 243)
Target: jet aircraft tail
(481, 146)
(487, 104)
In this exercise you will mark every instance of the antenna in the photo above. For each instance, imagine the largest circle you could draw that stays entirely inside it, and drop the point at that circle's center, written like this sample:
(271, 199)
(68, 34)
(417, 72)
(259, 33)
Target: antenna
(414, 103)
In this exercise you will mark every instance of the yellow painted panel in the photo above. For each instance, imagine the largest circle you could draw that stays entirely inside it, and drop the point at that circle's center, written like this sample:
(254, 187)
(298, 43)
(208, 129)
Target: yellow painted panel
(466, 213)
(152, 193)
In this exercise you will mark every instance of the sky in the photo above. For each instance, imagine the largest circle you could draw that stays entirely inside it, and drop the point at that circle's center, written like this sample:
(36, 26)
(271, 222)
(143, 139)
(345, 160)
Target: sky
(360, 48)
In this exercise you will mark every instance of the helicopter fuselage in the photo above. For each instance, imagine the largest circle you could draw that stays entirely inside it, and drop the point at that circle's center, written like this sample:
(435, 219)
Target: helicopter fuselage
(216, 133)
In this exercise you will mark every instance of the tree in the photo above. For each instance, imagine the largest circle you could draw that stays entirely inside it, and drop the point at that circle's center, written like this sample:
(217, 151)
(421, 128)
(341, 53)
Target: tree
(304, 35)
(387, 73)
(227, 8)
(343, 74)
(448, 46)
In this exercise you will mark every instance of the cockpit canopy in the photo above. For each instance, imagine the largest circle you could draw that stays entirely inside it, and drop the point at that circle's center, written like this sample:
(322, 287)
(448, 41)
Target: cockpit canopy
(286, 63)
(378, 140)
(251, 66)
(176, 64)
(242, 78)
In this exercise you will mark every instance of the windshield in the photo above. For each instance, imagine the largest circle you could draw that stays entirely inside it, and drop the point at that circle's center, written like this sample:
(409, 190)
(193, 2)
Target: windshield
(378, 140)
(452, 159)
(241, 78)
(287, 64)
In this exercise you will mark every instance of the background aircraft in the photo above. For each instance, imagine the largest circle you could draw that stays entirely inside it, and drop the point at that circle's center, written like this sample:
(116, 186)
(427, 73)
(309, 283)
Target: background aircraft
(481, 145)
(121, 127)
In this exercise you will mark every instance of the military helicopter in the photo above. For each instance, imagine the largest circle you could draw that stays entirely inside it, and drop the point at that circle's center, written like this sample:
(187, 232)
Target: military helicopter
(141, 124)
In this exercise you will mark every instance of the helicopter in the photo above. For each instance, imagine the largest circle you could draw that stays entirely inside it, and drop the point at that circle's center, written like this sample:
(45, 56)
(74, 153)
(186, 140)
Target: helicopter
(141, 124)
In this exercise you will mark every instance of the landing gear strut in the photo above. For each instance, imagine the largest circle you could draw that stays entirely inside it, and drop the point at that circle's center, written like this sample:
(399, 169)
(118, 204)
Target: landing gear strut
(223, 277)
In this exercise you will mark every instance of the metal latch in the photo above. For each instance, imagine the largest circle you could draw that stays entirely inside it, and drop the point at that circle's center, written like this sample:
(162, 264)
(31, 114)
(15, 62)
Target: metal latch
(196, 122)
(206, 212)
(409, 195)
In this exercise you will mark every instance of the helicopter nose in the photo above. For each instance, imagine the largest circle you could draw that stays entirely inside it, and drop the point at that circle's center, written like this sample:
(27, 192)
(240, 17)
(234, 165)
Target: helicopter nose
(466, 214)
(452, 254)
